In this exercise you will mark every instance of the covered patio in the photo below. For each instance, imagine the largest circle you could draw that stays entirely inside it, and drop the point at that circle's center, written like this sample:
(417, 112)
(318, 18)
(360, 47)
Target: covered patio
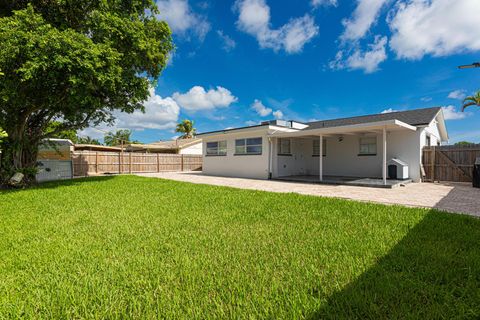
(355, 155)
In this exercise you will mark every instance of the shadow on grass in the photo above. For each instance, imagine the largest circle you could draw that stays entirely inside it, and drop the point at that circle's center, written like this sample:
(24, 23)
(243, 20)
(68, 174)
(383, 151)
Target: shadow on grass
(61, 183)
(432, 273)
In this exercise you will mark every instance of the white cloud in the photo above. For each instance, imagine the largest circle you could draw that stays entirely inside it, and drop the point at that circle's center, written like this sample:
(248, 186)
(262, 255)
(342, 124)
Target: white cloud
(457, 94)
(254, 19)
(318, 3)
(389, 110)
(228, 43)
(365, 15)
(159, 113)
(93, 132)
(451, 113)
(426, 99)
(264, 111)
(197, 98)
(260, 108)
(278, 114)
(434, 27)
(251, 123)
(368, 61)
(182, 19)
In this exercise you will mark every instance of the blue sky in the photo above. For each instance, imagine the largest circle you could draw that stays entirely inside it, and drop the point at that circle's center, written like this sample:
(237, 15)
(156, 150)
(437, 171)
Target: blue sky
(241, 62)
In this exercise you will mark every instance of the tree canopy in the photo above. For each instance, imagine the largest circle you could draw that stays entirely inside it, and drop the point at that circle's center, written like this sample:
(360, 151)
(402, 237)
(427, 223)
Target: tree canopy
(473, 100)
(464, 143)
(87, 140)
(118, 137)
(186, 127)
(74, 62)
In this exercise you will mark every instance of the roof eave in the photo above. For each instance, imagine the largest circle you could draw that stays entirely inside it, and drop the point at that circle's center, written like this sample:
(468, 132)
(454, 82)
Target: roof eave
(350, 128)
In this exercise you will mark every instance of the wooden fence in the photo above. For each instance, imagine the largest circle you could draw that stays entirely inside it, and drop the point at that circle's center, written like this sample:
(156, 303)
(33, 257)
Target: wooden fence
(449, 163)
(88, 163)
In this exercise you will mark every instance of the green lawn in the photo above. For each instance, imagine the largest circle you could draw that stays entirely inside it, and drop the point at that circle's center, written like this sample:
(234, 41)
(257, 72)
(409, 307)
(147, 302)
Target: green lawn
(132, 247)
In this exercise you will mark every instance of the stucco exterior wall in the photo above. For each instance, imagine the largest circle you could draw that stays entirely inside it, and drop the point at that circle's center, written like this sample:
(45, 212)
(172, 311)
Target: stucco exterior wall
(433, 132)
(231, 165)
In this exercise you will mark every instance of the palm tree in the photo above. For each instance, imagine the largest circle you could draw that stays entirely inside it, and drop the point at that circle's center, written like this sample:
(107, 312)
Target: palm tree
(186, 127)
(119, 137)
(471, 101)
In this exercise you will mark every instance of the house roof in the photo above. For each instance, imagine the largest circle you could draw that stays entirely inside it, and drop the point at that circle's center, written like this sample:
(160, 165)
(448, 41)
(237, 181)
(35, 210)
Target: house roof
(412, 117)
(415, 117)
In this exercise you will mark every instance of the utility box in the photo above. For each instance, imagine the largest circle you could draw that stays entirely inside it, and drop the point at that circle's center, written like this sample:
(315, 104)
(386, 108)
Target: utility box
(476, 174)
(52, 170)
(397, 169)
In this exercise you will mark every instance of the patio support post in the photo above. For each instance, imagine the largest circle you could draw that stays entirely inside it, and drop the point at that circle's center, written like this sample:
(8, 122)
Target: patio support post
(384, 151)
(270, 157)
(320, 156)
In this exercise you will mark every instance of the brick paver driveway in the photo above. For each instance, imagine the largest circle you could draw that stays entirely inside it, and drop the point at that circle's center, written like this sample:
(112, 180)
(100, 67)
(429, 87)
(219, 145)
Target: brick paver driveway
(453, 197)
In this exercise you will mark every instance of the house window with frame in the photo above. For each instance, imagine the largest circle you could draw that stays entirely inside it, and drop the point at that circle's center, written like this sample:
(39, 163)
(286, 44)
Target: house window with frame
(284, 147)
(316, 148)
(217, 148)
(368, 146)
(249, 146)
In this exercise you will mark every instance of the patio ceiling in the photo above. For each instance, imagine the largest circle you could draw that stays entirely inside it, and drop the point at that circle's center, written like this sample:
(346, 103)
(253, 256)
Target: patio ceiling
(363, 128)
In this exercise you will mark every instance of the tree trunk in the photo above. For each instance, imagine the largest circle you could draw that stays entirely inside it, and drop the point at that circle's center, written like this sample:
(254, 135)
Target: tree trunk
(19, 154)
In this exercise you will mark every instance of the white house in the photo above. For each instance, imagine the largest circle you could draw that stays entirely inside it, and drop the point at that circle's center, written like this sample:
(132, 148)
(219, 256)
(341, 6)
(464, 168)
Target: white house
(339, 149)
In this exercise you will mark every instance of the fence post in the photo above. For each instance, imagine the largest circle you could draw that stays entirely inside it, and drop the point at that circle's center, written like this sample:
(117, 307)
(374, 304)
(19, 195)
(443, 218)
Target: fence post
(120, 162)
(181, 166)
(158, 162)
(130, 162)
(433, 163)
(96, 162)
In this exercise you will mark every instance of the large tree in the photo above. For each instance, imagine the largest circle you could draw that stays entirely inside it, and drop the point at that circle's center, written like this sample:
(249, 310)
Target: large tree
(74, 62)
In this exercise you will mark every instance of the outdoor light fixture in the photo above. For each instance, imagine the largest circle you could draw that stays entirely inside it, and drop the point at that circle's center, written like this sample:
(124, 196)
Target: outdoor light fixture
(468, 66)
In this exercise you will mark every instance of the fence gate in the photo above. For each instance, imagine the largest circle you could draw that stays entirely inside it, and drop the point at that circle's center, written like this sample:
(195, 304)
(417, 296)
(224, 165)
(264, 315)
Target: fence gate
(449, 163)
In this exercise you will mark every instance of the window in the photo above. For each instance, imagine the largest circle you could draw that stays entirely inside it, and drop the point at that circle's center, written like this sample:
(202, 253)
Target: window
(284, 147)
(368, 146)
(428, 141)
(316, 147)
(248, 146)
(217, 148)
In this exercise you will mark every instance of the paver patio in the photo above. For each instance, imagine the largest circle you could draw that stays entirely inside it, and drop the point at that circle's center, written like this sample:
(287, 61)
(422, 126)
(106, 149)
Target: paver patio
(453, 197)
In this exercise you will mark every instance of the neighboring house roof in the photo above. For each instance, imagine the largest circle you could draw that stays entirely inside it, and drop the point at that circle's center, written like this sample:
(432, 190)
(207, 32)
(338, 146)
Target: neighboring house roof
(58, 142)
(415, 117)
(172, 145)
(96, 147)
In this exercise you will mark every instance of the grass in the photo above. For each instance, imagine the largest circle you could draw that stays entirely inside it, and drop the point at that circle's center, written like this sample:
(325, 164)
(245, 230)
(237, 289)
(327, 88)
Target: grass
(132, 247)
